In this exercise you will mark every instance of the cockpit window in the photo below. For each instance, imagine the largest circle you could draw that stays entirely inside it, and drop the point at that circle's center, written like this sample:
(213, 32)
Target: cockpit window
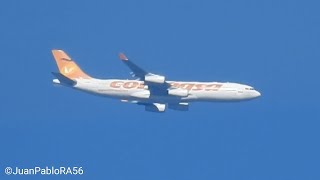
(249, 88)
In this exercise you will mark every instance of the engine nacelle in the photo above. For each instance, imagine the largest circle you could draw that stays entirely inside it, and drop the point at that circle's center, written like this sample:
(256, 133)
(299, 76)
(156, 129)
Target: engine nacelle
(141, 94)
(155, 79)
(155, 107)
(178, 92)
(179, 107)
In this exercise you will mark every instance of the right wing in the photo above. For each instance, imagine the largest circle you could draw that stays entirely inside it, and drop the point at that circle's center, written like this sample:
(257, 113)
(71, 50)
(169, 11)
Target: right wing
(158, 107)
(152, 107)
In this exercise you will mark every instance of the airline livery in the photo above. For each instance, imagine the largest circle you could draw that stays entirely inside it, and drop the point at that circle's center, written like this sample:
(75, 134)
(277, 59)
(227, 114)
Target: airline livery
(150, 90)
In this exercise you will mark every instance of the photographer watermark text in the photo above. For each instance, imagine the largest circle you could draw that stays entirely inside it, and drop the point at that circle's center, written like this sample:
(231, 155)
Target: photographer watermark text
(44, 171)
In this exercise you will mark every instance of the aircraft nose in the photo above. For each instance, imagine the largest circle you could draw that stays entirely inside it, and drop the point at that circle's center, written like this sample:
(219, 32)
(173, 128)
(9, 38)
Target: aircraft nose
(257, 94)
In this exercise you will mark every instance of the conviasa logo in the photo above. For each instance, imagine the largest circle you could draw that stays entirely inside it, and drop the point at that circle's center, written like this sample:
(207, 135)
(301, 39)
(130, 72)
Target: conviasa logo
(68, 70)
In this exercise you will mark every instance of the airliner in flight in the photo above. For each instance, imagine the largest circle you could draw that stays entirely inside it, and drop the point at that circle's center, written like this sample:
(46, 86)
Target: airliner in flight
(153, 91)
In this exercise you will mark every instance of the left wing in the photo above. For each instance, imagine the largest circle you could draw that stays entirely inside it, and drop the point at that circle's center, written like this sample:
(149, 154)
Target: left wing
(157, 84)
(141, 73)
(136, 70)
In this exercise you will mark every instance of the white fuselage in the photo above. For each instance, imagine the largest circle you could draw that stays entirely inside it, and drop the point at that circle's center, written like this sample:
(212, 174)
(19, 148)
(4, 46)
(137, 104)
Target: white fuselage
(133, 90)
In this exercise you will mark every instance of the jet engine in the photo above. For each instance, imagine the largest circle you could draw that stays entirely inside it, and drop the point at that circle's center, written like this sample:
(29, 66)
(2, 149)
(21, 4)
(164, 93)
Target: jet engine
(178, 92)
(154, 78)
(141, 94)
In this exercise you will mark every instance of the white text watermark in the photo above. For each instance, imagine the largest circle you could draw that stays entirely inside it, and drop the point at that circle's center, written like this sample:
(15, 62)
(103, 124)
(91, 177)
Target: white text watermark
(62, 170)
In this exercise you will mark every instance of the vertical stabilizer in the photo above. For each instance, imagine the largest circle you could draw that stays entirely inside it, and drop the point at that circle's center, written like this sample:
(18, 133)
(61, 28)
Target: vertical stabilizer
(67, 66)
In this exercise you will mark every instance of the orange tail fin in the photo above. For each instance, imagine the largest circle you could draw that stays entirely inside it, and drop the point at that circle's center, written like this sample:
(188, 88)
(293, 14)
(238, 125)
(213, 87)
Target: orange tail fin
(67, 66)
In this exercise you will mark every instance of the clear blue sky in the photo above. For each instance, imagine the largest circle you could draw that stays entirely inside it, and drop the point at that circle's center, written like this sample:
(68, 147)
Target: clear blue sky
(272, 45)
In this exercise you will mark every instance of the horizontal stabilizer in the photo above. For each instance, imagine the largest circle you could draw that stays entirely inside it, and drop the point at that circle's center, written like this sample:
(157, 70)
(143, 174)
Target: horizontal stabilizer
(64, 80)
(129, 101)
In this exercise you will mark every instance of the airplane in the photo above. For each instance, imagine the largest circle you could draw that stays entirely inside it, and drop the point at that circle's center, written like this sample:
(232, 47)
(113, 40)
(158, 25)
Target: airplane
(153, 91)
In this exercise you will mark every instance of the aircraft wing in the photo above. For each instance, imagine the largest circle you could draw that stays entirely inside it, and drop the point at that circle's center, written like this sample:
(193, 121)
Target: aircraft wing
(136, 70)
(156, 83)
(153, 107)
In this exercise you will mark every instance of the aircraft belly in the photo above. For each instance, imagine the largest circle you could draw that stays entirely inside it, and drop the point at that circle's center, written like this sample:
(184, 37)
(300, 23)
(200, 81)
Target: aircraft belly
(215, 96)
(101, 90)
